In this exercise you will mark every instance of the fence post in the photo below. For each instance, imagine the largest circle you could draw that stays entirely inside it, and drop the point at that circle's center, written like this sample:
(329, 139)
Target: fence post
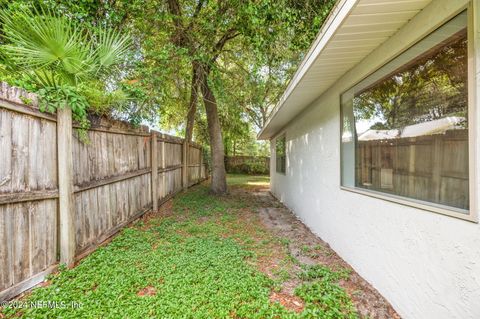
(185, 165)
(65, 186)
(164, 174)
(154, 171)
(201, 165)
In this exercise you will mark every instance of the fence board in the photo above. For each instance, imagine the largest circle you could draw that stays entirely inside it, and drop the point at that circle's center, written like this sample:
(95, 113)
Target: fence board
(6, 153)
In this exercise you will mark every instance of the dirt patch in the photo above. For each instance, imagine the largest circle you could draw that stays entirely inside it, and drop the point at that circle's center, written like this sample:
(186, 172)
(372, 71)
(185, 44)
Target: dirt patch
(147, 291)
(290, 302)
(307, 249)
(45, 283)
(165, 210)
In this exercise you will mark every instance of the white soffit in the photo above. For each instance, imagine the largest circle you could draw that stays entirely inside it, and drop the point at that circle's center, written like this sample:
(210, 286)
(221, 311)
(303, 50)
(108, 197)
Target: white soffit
(352, 31)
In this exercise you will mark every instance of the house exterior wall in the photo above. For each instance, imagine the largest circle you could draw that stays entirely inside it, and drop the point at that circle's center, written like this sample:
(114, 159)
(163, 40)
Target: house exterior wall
(426, 264)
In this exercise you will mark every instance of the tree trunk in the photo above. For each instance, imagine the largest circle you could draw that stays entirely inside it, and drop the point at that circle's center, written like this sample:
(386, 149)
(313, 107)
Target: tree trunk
(192, 107)
(219, 178)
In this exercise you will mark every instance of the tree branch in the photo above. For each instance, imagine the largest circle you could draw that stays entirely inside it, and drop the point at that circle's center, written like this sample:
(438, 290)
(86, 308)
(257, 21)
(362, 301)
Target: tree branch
(174, 7)
(229, 35)
(195, 14)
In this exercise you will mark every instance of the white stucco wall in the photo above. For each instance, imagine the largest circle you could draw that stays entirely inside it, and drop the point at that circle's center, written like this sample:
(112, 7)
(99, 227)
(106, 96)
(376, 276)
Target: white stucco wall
(426, 264)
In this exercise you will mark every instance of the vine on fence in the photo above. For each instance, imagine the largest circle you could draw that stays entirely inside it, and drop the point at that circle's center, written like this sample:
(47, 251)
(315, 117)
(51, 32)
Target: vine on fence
(54, 98)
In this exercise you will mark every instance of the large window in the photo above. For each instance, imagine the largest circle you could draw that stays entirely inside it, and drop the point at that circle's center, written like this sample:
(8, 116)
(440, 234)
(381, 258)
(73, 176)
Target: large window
(405, 127)
(280, 154)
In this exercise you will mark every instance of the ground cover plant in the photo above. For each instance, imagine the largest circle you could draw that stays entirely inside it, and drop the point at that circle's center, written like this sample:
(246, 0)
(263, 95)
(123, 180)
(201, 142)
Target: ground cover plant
(202, 256)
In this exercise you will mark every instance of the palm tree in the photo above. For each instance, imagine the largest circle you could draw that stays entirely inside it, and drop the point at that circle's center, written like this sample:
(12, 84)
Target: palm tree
(56, 51)
(59, 56)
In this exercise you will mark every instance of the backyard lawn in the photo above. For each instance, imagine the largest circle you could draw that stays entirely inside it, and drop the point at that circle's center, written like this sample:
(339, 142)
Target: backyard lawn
(204, 256)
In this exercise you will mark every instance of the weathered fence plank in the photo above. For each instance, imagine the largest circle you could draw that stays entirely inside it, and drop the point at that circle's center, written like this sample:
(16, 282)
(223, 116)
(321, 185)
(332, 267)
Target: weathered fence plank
(154, 171)
(185, 170)
(65, 186)
(110, 181)
(6, 153)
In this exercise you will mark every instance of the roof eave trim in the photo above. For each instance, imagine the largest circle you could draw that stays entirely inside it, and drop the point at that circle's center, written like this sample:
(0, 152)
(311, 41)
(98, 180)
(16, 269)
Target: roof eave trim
(335, 19)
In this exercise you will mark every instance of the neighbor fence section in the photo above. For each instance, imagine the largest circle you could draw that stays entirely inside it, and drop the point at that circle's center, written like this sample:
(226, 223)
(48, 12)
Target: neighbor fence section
(110, 181)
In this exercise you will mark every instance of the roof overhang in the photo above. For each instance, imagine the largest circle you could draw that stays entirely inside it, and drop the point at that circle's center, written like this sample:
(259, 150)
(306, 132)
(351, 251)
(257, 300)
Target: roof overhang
(352, 31)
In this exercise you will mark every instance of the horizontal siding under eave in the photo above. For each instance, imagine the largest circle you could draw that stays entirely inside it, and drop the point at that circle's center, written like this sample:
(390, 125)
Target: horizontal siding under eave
(388, 6)
(379, 18)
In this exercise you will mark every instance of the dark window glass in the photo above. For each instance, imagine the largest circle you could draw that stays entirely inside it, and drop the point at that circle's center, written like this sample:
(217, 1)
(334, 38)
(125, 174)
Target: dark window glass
(280, 154)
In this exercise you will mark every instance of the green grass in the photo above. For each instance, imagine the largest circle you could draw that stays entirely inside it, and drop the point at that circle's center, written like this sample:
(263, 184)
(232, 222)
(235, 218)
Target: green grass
(198, 262)
(247, 180)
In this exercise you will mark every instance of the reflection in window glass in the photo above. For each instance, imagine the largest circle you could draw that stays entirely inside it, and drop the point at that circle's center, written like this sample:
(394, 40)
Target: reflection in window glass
(280, 154)
(405, 128)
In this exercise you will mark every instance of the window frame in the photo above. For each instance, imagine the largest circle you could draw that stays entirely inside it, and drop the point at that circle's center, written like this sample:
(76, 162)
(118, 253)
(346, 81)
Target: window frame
(472, 213)
(284, 138)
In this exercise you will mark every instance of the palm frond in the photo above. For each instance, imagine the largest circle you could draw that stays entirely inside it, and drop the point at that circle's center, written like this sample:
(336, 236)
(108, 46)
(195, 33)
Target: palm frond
(112, 47)
(56, 49)
(45, 79)
(42, 40)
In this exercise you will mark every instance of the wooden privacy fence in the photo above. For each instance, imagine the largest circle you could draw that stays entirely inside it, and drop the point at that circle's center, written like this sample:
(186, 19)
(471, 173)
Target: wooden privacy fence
(60, 198)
